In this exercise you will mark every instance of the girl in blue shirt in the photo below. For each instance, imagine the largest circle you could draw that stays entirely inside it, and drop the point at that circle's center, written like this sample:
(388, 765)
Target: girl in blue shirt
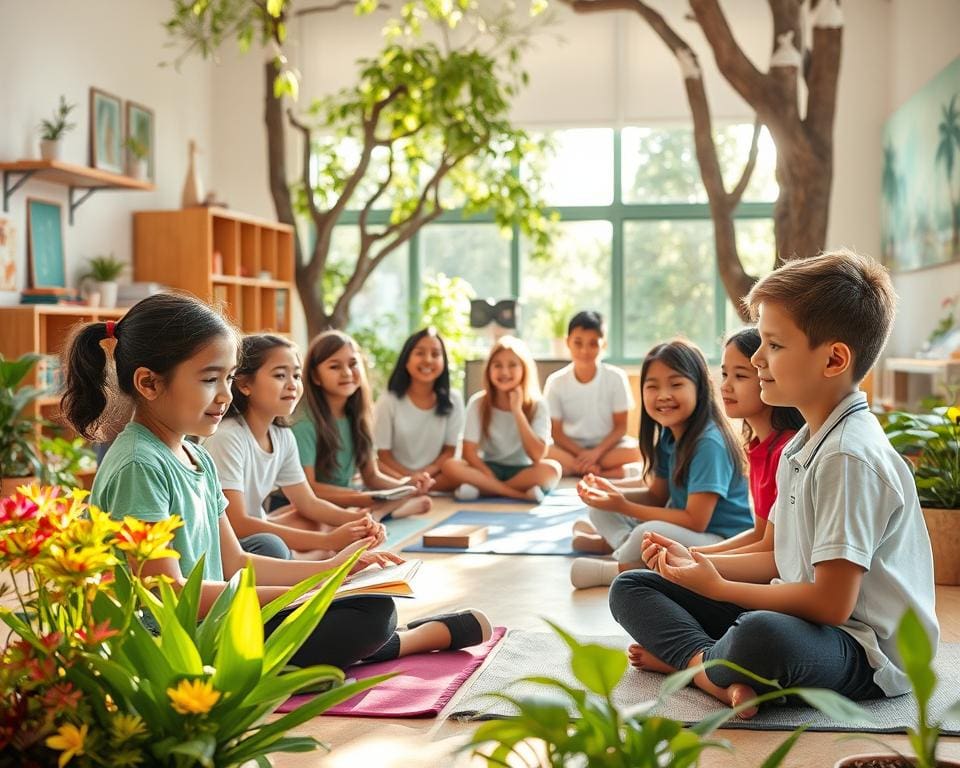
(698, 491)
(174, 360)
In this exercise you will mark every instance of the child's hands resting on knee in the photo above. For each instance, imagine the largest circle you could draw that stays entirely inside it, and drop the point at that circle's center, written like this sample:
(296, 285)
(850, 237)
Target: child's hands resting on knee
(350, 532)
(422, 481)
(700, 575)
(654, 544)
(600, 494)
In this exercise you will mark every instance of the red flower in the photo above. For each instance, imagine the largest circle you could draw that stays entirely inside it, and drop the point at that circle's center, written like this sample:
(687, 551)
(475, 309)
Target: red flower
(62, 697)
(17, 507)
(98, 633)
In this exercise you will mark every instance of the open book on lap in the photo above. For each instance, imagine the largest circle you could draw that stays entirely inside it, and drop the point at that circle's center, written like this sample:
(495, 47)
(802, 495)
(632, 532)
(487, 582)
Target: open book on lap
(393, 494)
(391, 581)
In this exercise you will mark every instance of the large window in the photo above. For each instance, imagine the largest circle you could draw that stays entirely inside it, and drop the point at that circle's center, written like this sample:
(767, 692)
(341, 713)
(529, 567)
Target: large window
(635, 242)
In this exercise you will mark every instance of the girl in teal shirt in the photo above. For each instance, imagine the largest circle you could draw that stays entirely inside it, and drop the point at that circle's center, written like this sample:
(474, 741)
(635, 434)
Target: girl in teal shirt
(174, 359)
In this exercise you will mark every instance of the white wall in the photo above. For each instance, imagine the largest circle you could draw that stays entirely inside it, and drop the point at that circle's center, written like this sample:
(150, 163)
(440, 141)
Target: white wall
(923, 41)
(53, 47)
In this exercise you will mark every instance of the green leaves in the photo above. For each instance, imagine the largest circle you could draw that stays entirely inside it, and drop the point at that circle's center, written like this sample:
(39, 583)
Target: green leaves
(931, 443)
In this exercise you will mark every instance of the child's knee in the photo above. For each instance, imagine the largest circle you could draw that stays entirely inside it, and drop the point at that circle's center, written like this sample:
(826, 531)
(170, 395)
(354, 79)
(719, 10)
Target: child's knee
(629, 590)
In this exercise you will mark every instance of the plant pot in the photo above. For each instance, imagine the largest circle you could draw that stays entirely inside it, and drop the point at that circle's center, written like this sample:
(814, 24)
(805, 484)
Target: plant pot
(108, 293)
(943, 525)
(559, 348)
(886, 761)
(50, 149)
(9, 485)
(139, 169)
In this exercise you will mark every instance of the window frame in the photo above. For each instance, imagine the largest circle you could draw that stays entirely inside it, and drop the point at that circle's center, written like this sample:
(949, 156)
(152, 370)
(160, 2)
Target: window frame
(617, 213)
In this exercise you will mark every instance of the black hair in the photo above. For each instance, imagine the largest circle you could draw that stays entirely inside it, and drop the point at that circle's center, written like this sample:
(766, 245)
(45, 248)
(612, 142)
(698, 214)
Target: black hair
(157, 333)
(399, 381)
(783, 417)
(687, 360)
(588, 319)
(253, 354)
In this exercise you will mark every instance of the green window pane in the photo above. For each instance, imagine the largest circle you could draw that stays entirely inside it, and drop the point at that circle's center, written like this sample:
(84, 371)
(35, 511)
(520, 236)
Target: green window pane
(577, 277)
(579, 170)
(477, 253)
(669, 284)
(381, 304)
(660, 164)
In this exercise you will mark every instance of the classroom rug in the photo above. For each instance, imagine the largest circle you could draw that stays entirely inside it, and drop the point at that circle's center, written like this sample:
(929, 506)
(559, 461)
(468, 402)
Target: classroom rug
(525, 653)
(558, 497)
(426, 682)
(541, 531)
(402, 528)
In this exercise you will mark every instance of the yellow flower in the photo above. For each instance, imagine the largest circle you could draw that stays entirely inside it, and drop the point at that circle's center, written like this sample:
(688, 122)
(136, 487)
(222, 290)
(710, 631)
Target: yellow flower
(69, 740)
(126, 727)
(953, 414)
(147, 541)
(193, 697)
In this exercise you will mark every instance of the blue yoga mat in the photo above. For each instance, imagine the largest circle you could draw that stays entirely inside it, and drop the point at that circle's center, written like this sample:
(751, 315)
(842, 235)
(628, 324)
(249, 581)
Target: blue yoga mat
(397, 530)
(561, 497)
(543, 531)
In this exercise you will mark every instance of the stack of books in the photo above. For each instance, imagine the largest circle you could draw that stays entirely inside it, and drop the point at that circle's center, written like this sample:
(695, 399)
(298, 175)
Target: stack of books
(68, 296)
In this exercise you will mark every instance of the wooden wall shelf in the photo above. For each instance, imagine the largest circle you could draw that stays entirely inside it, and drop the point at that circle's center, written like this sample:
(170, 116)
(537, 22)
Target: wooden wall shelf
(74, 177)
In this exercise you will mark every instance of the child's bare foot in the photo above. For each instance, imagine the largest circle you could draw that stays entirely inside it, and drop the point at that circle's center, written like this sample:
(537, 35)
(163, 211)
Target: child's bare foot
(733, 695)
(641, 658)
(418, 505)
(584, 526)
(594, 544)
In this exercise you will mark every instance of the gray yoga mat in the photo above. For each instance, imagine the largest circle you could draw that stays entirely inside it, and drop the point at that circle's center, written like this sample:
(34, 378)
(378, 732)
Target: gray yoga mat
(523, 653)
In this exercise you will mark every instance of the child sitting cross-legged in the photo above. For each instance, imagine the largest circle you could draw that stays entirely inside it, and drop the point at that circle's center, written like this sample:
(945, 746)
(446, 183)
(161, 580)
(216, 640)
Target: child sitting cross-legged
(851, 552)
(255, 452)
(697, 494)
(589, 401)
(507, 432)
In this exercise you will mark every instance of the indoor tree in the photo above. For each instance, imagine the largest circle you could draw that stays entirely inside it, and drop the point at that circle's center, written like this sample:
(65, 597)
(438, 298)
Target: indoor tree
(800, 119)
(427, 123)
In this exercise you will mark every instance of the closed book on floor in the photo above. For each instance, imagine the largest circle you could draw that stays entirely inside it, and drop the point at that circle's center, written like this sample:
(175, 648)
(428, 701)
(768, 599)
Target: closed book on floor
(454, 535)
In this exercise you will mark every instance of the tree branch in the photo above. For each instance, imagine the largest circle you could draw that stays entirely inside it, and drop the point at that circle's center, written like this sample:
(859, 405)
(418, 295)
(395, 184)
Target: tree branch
(305, 131)
(365, 212)
(822, 79)
(673, 41)
(755, 87)
(737, 193)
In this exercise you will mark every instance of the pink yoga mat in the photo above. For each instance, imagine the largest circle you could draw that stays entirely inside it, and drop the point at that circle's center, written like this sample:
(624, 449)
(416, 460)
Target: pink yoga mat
(426, 682)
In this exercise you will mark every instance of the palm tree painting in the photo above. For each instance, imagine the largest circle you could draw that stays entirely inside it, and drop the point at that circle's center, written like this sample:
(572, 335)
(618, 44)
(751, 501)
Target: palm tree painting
(921, 176)
(947, 150)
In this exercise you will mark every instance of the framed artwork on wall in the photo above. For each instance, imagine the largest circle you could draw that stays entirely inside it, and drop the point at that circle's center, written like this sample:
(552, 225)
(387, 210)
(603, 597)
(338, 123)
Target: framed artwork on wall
(141, 135)
(920, 182)
(8, 264)
(106, 132)
(45, 244)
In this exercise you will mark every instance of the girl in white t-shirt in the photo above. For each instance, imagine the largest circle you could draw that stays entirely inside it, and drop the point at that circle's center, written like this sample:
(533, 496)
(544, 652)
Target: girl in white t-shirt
(255, 452)
(418, 421)
(507, 432)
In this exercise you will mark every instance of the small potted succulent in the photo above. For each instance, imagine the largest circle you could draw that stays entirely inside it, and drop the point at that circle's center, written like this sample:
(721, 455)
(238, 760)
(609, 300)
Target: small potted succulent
(138, 162)
(104, 271)
(51, 131)
(931, 443)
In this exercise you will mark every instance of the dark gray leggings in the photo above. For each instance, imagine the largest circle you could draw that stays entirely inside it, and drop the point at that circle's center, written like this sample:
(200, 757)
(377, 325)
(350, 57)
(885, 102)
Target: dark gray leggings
(675, 624)
(351, 630)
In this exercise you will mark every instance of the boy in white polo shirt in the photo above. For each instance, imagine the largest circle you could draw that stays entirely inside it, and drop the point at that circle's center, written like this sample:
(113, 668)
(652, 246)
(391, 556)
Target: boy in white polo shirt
(851, 552)
(589, 401)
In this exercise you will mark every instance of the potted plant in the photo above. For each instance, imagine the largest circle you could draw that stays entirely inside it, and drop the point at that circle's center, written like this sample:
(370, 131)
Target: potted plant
(138, 160)
(67, 463)
(917, 655)
(104, 271)
(19, 462)
(84, 677)
(931, 442)
(554, 318)
(51, 131)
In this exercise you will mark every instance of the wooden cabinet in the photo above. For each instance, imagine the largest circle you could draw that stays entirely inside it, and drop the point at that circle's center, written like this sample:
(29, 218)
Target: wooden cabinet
(241, 262)
(907, 380)
(44, 329)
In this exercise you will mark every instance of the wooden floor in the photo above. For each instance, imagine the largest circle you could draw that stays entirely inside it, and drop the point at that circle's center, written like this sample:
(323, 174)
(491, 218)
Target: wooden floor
(518, 592)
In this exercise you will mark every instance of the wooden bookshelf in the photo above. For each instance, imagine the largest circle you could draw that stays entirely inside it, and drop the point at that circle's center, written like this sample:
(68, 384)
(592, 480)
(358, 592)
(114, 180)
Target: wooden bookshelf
(44, 329)
(240, 261)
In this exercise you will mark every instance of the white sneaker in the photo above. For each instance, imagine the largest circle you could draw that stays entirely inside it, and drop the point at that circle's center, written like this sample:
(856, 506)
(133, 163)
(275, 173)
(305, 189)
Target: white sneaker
(536, 494)
(467, 492)
(589, 572)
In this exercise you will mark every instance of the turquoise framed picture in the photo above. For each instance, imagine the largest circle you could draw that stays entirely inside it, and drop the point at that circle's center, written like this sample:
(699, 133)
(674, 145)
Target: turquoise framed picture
(45, 244)
(106, 132)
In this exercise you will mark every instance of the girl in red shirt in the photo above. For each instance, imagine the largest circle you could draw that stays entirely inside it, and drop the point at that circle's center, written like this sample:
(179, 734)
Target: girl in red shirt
(766, 430)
